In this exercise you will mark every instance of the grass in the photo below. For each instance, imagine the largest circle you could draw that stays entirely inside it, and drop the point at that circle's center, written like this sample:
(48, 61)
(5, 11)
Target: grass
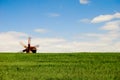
(70, 66)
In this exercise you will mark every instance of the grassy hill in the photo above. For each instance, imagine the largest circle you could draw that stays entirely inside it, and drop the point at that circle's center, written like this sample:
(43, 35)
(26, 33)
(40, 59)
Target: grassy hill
(75, 66)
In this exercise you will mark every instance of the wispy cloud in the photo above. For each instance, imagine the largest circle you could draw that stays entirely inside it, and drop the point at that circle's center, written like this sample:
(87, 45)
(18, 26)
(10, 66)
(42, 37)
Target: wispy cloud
(103, 18)
(41, 30)
(53, 14)
(112, 26)
(85, 20)
(84, 1)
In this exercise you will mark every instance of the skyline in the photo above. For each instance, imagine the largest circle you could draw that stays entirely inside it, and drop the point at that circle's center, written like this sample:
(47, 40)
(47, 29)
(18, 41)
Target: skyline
(60, 25)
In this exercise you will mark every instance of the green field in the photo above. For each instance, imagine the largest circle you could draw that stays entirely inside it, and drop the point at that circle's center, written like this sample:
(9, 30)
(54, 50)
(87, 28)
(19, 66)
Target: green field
(69, 66)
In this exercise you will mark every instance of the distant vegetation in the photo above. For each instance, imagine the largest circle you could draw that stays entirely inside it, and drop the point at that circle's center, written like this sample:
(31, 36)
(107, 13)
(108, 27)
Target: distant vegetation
(78, 66)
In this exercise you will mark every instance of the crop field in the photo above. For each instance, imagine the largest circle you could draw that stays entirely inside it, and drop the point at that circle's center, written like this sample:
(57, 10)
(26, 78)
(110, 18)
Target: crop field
(61, 66)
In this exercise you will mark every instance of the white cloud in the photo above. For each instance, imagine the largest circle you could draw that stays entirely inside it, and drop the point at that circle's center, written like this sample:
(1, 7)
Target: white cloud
(103, 18)
(9, 42)
(41, 30)
(84, 1)
(84, 20)
(113, 26)
(53, 15)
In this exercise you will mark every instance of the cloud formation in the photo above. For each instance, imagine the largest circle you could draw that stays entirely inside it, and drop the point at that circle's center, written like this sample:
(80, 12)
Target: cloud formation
(112, 26)
(9, 42)
(85, 20)
(89, 42)
(103, 18)
(84, 1)
(41, 30)
(53, 15)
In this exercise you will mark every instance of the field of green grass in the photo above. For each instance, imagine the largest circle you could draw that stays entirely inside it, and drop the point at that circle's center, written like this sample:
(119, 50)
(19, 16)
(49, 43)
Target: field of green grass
(69, 66)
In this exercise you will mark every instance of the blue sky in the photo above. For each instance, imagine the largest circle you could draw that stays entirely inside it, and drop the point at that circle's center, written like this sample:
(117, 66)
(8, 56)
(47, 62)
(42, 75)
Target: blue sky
(74, 22)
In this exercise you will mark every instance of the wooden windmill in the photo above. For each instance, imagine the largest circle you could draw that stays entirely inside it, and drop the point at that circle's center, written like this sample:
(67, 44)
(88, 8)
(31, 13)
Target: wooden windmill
(29, 48)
